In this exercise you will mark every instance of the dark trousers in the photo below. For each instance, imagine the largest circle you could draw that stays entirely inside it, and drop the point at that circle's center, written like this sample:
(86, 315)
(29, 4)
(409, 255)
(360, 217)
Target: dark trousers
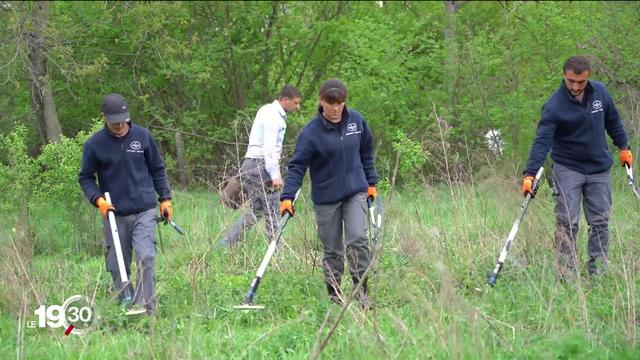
(349, 219)
(263, 201)
(137, 233)
(594, 193)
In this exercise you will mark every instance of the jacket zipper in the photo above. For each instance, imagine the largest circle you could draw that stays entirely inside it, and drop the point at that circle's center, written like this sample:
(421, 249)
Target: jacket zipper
(344, 157)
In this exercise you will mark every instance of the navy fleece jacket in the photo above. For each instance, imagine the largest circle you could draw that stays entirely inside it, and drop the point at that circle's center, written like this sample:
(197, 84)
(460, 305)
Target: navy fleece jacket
(340, 159)
(130, 168)
(575, 131)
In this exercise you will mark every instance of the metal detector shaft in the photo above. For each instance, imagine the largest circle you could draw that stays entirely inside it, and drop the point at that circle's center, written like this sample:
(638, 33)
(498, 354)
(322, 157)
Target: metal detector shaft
(178, 228)
(180, 231)
(267, 257)
(375, 217)
(493, 276)
(124, 278)
(265, 261)
(630, 180)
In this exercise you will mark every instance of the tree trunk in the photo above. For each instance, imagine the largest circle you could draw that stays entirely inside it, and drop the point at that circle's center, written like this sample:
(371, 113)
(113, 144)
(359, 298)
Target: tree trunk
(182, 177)
(321, 67)
(235, 74)
(41, 92)
(267, 93)
(451, 52)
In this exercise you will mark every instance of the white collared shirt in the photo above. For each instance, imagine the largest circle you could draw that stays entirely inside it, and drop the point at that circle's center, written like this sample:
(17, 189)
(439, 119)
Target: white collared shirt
(266, 137)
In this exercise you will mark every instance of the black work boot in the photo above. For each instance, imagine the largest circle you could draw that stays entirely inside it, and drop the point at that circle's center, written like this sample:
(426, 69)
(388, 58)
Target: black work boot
(362, 295)
(335, 295)
(597, 265)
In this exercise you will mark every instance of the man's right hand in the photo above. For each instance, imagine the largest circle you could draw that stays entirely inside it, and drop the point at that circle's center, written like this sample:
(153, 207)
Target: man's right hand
(104, 206)
(286, 206)
(276, 184)
(527, 185)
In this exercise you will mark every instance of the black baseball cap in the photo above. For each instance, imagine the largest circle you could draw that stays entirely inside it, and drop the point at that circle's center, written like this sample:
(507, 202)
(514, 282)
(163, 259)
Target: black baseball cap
(115, 108)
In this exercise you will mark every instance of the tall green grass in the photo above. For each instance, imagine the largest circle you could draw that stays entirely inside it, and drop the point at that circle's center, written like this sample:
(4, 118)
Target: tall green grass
(432, 301)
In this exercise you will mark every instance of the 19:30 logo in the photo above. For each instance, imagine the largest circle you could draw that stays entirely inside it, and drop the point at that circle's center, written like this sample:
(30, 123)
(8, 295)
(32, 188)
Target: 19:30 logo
(76, 315)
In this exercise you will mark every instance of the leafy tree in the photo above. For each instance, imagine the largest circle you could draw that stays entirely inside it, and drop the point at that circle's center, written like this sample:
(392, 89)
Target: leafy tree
(204, 68)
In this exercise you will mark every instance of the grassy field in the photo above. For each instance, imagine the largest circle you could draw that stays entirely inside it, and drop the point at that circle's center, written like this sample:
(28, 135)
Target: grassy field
(432, 301)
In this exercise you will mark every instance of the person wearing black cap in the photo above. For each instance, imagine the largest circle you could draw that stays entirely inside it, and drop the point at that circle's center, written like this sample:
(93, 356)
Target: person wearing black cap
(337, 148)
(128, 165)
(573, 125)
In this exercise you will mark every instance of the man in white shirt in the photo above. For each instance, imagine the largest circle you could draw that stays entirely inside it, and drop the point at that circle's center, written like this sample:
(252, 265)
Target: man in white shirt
(260, 170)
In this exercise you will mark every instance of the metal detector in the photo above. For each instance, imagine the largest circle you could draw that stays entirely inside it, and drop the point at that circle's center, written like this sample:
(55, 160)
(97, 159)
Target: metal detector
(493, 276)
(248, 305)
(180, 230)
(375, 217)
(124, 278)
(629, 170)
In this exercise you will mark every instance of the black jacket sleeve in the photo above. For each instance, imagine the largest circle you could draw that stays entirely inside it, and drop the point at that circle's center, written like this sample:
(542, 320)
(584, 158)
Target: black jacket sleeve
(297, 167)
(87, 175)
(157, 170)
(542, 143)
(613, 124)
(366, 155)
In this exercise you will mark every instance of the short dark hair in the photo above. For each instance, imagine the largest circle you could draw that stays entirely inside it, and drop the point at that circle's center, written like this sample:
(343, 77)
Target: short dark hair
(290, 92)
(577, 64)
(333, 91)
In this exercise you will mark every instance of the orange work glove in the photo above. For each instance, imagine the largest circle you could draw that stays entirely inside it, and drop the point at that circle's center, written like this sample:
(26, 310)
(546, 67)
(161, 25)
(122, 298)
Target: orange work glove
(626, 158)
(286, 206)
(527, 184)
(104, 206)
(166, 211)
(372, 192)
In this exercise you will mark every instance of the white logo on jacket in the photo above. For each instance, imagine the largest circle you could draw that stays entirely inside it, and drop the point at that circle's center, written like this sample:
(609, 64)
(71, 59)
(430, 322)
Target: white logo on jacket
(135, 147)
(597, 106)
(352, 128)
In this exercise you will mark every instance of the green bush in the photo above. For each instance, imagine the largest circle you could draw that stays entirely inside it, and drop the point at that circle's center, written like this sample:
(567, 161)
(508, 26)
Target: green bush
(17, 172)
(38, 189)
(412, 157)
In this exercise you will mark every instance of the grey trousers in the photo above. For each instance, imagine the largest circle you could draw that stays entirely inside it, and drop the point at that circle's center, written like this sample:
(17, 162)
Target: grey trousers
(137, 232)
(348, 217)
(263, 201)
(594, 191)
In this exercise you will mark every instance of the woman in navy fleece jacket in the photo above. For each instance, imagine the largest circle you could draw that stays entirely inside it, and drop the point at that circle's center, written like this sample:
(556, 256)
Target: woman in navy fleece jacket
(337, 147)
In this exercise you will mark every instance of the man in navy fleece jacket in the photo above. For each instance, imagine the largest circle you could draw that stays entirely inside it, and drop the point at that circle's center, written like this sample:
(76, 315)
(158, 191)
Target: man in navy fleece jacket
(128, 165)
(573, 126)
